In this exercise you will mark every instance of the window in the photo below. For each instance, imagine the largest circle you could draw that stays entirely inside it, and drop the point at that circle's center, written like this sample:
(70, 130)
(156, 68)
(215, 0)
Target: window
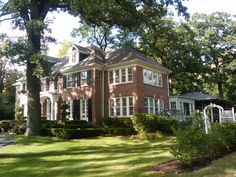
(173, 105)
(73, 57)
(121, 107)
(152, 78)
(71, 80)
(153, 106)
(84, 109)
(70, 110)
(83, 78)
(77, 79)
(119, 76)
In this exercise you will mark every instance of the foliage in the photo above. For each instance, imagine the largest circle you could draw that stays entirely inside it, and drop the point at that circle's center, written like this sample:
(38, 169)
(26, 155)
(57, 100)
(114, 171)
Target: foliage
(19, 114)
(216, 35)
(7, 101)
(149, 136)
(64, 47)
(73, 124)
(193, 145)
(6, 125)
(149, 123)
(64, 112)
(76, 133)
(114, 122)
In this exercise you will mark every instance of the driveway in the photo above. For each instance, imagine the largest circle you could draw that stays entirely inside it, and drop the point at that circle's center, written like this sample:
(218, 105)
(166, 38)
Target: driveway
(5, 140)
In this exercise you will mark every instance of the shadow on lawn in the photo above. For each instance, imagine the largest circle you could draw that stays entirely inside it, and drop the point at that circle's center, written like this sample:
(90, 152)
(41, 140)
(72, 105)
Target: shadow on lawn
(128, 158)
(96, 157)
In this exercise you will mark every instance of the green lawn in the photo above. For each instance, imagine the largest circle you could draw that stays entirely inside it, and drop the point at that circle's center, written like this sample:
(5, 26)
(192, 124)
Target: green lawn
(104, 156)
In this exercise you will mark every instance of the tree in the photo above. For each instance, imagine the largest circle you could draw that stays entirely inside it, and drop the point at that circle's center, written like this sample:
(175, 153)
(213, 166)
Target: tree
(65, 45)
(216, 33)
(30, 16)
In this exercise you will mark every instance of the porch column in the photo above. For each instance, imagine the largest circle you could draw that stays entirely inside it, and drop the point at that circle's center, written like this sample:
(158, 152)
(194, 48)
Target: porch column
(52, 110)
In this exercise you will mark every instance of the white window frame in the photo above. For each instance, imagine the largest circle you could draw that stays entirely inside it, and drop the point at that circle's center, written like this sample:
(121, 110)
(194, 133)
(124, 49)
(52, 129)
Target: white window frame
(152, 78)
(157, 105)
(121, 106)
(83, 78)
(115, 76)
(84, 109)
(70, 110)
(173, 105)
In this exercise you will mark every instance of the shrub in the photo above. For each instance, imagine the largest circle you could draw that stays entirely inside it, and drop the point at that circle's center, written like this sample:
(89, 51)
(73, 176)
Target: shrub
(123, 122)
(75, 133)
(19, 128)
(6, 125)
(193, 145)
(119, 131)
(149, 123)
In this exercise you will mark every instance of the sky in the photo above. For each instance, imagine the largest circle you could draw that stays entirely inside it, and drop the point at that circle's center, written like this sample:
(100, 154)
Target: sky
(64, 23)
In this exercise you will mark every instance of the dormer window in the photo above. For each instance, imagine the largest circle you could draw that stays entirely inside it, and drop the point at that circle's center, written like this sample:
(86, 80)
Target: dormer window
(74, 57)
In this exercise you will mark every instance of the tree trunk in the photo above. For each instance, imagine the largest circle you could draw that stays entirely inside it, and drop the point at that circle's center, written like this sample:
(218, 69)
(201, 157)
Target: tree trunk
(220, 89)
(33, 86)
(34, 107)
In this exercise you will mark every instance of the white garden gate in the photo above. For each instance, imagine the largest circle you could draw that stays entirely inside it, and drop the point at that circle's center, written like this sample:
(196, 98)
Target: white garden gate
(224, 115)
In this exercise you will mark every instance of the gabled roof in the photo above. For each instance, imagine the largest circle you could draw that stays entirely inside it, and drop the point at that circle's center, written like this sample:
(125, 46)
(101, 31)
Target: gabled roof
(199, 96)
(130, 54)
(97, 56)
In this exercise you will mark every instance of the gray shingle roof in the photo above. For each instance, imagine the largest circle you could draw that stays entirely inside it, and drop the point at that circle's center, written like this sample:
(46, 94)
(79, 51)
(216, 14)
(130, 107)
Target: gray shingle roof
(200, 96)
(129, 54)
(98, 57)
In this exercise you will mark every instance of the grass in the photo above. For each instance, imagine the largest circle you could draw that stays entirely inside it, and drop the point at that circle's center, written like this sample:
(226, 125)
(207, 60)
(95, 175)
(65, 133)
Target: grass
(104, 156)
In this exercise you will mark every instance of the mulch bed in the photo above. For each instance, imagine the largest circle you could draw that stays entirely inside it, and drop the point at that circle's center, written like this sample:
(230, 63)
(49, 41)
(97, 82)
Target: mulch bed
(174, 166)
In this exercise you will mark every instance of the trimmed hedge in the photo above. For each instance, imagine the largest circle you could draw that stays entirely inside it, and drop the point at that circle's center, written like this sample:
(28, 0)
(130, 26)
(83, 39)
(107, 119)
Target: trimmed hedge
(149, 123)
(69, 124)
(73, 133)
(115, 122)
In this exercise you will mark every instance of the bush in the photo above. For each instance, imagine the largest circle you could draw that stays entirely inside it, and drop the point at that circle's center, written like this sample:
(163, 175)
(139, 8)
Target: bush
(149, 123)
(6, 125)
(75, 133)
(19, 128)
(123, 122)
(119, 131)
(69, 124)
(193, 145)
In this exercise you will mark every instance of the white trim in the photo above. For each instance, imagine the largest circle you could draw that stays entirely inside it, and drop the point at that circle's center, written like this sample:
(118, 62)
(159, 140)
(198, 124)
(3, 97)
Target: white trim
(120, 75)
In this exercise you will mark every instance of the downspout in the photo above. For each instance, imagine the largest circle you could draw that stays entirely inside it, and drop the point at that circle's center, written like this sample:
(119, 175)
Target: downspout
(103, 89)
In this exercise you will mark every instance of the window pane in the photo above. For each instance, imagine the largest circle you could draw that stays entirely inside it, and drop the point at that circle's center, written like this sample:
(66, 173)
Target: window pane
(159, 79)
(124, 107)
(130, 75)
(151, 105)
(123, 75)
(131, 106)
(146, 105)
(156, 107)
(84, 78)
(117, 76)
(111, 77)
(155, 79)
(73, 57)
(118, 107)
(145, 76)
(112, 106)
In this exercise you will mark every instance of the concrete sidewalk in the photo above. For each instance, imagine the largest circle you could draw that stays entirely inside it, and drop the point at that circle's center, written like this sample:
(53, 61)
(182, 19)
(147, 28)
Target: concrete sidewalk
(5, 140)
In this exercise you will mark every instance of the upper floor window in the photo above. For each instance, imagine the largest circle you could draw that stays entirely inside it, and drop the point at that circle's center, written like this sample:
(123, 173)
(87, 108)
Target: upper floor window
(74, 57)
(120, 76)
(152, 78)
(120, 107)
(77, 79)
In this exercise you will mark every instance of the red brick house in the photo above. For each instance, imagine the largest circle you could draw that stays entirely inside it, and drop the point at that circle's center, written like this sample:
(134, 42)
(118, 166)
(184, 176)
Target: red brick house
(95, 85)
